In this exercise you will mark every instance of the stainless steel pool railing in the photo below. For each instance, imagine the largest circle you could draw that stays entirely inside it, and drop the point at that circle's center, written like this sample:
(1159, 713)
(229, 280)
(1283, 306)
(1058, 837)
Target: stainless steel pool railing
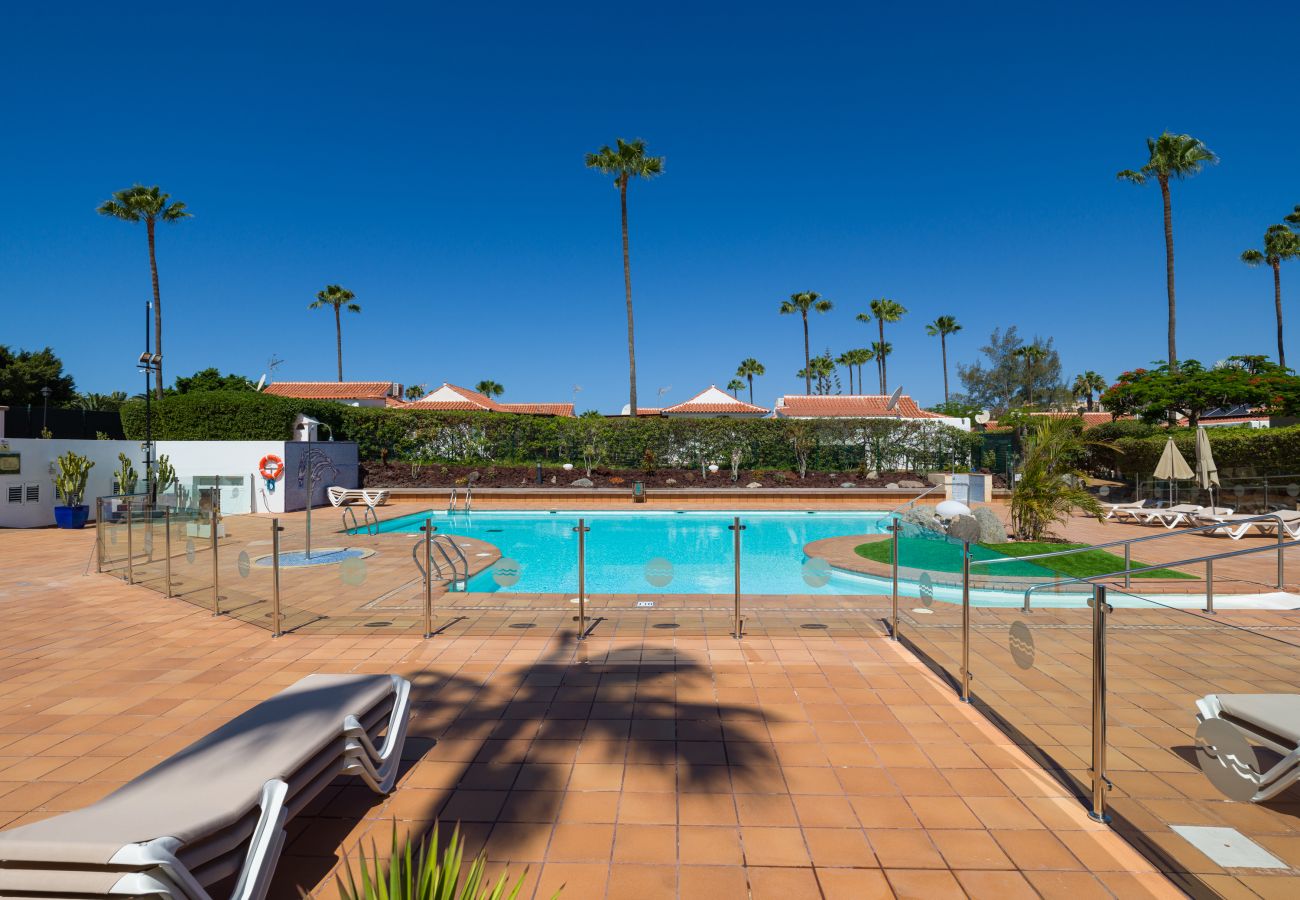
(1128, 543)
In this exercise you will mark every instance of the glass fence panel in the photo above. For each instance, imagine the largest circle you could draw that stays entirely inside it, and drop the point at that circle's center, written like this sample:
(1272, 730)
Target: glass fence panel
(1202, 712)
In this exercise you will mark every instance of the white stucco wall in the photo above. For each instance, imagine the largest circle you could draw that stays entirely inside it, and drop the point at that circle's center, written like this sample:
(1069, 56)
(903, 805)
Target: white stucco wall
(38, 469)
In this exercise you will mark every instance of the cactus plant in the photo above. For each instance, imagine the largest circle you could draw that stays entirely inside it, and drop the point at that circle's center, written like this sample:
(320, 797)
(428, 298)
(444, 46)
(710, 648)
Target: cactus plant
(166, 473)
(126, 475)
(70, 482)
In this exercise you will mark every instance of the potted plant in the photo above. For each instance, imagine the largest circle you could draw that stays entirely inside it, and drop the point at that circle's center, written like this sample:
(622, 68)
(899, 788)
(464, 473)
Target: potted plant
(70, 487)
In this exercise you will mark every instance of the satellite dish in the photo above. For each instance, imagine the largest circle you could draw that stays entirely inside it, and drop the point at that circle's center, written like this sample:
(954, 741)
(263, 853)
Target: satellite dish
(893, 398)
(983, 417)
(261, 382)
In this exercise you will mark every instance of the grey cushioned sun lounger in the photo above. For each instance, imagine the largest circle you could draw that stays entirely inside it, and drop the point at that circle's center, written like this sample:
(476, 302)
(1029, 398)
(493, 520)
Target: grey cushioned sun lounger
(216, 811)
(1272, 720)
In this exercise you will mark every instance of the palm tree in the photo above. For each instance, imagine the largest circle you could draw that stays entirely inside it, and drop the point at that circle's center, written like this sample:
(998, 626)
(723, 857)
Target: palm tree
(1032, 354)
(735, 385)
(1172, 156)
(747, 369)
(943, 326)
(819, 369)
(861, 356)
(1086, 385)
(845, 359)
(880, 350)
(884, 310)
(1280, 243)
(1050, 487)
(338, 298)
(627, 160)
(800, 303)
(489, 388)
(149, 205)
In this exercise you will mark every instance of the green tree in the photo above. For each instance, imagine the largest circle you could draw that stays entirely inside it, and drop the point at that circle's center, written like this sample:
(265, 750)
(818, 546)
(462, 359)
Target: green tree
(1171, 157)
(941, 328)
(993, 382)
(1280, 243)
(845, 359)
(820, 370)
(1086, 385)
(735, 385)
(92, 402)
(1051, 483)
(879, 352)
(1031, 356)
(337, 298)
(489, 388)
(747, 369)
(211, 379)
(149, 205)
(801, 303)
(625, 161)
(1164, 393)
(885, 311)
(23, 374)
(860, 357)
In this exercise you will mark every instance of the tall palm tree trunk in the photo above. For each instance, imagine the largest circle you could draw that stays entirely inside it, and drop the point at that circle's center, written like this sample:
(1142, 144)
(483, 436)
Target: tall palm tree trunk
(1089, 399)
(627, 287)
(1169, 272)
(157, 308)
(1277, 304)
(807, 360)
(338, 339)
(850, 368)
(751, 388)
(880, 357)
(943, 349)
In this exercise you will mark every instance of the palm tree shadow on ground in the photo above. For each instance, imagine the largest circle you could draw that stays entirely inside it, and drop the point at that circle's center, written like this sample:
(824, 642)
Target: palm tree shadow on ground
(509, 739)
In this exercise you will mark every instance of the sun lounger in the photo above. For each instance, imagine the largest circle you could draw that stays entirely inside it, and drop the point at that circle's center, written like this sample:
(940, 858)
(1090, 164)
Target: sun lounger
(1173, 516)
(340, 496)
(1238, 525)
(1119, 510)
(215, 813)
(1272, 720)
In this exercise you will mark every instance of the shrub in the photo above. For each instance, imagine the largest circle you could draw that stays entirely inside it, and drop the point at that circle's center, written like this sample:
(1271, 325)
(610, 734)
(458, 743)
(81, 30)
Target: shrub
(414, 872)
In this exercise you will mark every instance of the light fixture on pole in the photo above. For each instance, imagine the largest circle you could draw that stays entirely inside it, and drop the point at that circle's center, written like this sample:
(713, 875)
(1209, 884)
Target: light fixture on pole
(148, 363)
(45, 407)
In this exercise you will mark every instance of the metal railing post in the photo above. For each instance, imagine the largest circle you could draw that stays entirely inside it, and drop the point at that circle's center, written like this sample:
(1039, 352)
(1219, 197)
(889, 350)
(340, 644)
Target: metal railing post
(1281, 563)
(130, 546)
(310, 489)
(895, 528)
(99, 535)
(582, 530)
(428, 530)
(965, 622)
(1099, 783)
(1209, 586)
(275, 577)
(167, 549)
(738, 624)
(1128, 562)
(216, 577)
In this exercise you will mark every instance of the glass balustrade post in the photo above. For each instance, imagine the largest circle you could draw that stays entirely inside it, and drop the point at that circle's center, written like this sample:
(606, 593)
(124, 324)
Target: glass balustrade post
(1281, 559)
(893, 556)
(130, 546)
(1100, 608)
(1128, 563)
(738, 624)
(275, 577)
(1209, 586)
(216, 586)
(965, 621)
(428, 530)
(167, 550)
(582, 530)
(99, 535)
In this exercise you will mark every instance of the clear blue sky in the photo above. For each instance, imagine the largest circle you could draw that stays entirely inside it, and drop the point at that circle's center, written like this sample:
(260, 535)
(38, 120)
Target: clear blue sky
(959, 159)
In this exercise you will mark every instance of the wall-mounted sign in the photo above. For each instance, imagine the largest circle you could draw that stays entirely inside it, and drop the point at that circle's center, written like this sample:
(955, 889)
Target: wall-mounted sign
(10, 463)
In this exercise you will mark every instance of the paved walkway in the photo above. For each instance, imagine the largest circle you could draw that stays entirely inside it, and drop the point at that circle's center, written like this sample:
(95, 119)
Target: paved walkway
(810, 765)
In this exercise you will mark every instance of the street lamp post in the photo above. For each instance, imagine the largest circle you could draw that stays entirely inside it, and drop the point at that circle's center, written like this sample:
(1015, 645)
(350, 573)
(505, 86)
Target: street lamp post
(148, 363)
(45, 407)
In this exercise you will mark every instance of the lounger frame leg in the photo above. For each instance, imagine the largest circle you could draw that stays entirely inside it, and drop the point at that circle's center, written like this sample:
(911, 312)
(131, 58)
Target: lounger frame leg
(377, 767)
(1275, 780)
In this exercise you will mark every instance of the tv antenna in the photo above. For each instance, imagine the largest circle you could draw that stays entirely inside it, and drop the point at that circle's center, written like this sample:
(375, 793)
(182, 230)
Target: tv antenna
(663, 390)
(577, 389)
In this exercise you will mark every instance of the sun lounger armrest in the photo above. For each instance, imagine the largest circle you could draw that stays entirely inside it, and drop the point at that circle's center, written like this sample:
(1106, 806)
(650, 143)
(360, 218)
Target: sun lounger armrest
(157, 858)
(385, 759)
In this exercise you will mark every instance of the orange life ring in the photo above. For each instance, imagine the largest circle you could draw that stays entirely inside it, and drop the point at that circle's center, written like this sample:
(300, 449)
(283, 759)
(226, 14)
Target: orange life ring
(271, 467)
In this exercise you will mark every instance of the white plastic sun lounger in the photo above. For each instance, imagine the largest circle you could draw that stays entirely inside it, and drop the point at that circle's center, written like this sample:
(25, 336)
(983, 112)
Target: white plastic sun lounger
(215, 813)
(340, 496)
(1272, 720)
(1174, 516)
(1238, 525)
(1119, 511)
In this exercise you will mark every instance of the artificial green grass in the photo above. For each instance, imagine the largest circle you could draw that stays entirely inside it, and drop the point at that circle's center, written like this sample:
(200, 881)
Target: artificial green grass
(946, 557)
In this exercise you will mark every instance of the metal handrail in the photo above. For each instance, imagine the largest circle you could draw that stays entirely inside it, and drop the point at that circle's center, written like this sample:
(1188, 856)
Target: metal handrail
(901, 507)
(469, 498)
(463, 560)
(1130, 541)
(451, 501)
(1091, 579)
(415, 556)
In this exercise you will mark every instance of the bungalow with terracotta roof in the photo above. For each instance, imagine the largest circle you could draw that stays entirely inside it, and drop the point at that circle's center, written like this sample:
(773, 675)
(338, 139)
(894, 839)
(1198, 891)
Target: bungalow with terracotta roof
(351, 393)
(453, 397)
(859, 406)
(714, 403)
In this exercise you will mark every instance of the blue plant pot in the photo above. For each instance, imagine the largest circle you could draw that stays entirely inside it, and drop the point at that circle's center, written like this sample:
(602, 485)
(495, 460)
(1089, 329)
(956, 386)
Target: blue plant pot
(71, 516)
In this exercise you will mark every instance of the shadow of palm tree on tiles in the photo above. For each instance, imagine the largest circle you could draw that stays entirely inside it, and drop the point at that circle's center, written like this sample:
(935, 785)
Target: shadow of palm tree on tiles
(530, 739)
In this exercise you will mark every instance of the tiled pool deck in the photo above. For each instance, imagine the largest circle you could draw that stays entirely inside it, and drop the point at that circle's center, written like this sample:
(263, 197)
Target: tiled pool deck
(640, 764)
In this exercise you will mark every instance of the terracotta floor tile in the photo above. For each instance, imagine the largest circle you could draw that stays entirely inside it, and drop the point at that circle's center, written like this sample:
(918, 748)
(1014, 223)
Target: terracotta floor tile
(830, 847)
(592, 806)
(765, 809)
(641, 882)
(656, 844)
(783, 884)
(884, 812)
(921, 884)
(943, 812)
(1067, 885)
(773, 846)
(904, 848)
(707, 809)
(573, 879)
(581, 843)
(854, 884)
(998, 885)
(970, 849)
(711, 882)
(710, 845)
(1034, 850)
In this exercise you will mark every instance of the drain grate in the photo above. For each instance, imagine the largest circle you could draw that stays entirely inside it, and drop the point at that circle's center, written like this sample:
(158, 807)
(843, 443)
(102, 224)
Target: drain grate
(377, 624)
(1228, 847)
(522, 625)
(665, 625)
(814, 626)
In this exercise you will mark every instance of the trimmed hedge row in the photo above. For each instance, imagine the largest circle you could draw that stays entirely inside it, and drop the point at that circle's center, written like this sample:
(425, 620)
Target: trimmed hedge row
(423, 435)
(1264, 451)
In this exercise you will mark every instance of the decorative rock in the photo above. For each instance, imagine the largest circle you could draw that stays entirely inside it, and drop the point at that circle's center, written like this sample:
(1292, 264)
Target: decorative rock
(873, 474)
(847, 484)
(582, 482)
(911, 484)
(671, 481)
(552, 479)
(753, 484)
(891, 486)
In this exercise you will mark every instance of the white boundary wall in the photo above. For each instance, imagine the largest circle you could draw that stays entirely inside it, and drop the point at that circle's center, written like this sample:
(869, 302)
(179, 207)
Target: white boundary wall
(335, 463)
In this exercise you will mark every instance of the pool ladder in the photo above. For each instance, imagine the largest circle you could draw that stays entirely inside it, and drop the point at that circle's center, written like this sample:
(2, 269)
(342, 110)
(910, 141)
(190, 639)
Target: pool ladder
(469, 499)
(442, 542)
(370, 521)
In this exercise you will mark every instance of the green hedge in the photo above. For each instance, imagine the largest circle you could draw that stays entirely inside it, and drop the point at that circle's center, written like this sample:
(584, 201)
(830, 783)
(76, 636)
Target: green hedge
(397, 434)
(1264, 451)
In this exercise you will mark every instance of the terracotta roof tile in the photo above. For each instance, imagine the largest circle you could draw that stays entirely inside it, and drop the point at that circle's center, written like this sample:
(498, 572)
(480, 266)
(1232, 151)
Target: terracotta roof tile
(454, 397)
(712, 401)
(331, 390)
(850, 406)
